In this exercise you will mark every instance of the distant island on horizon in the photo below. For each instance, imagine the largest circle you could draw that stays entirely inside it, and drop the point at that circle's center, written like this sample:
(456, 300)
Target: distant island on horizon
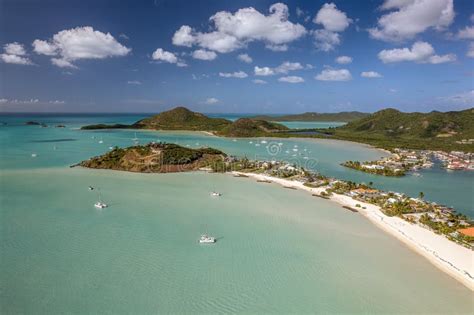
(387, 128)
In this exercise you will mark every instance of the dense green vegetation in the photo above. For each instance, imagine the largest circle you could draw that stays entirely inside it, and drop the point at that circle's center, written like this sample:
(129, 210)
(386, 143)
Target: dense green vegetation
(390, 128)
(311, 116)
(155, 157)
(246, 127)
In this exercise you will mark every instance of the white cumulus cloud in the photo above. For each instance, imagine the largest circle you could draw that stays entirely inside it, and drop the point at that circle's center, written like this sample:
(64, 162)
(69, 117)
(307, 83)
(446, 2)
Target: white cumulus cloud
(238, 74)
(333, 21)
(343, 60)
(284, 68)
(263, 71)
(203, 54)
(165, 56)
(134, 82)
(409, 18)
(231, 31)
(332, 18)
(421, 52)
(291, 79)
(370, 74)
(14, 49)
(15, 54)
(258, 81)
(79, 43)
(19, 60)
(245, 58)
(334, 75)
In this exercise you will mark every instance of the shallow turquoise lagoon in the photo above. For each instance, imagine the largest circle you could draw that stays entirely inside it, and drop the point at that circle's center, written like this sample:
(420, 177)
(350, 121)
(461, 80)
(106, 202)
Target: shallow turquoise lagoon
(278, 250)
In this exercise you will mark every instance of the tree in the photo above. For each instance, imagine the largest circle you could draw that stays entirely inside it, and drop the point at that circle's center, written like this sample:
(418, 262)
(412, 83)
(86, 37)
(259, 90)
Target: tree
(421, 195)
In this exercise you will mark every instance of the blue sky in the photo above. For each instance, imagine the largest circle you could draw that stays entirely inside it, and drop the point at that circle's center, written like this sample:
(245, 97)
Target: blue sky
(236, 56)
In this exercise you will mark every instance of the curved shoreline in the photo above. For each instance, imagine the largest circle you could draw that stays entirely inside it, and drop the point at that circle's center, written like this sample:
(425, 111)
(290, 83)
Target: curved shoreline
(451, 258)
(211, 134)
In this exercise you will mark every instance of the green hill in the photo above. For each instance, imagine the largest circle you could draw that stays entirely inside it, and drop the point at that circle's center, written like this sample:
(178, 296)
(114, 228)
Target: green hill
(246, 127)
(181, 118)
(312, 116)
(391, 128)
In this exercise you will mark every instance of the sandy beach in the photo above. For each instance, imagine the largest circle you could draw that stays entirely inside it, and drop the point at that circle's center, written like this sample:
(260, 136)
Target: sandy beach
(452, 258)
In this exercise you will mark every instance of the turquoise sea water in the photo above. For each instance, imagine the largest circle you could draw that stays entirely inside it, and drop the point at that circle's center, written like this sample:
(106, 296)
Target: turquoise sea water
(289, 124)
(278, 250)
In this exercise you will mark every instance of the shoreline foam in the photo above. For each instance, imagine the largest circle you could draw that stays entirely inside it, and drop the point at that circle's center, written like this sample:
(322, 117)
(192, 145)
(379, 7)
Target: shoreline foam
(452, 258)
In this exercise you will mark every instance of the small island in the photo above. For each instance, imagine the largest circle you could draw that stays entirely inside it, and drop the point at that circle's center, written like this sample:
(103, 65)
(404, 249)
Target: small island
(155, 158)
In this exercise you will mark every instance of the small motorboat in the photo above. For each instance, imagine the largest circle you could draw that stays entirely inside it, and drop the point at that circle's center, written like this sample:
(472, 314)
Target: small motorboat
(91, 188)
(215, 194)
(206, 239)
(34, 155)
(100, 205)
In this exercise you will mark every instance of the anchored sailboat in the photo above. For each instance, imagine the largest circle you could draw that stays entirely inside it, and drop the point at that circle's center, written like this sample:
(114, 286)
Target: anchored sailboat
(99, 204)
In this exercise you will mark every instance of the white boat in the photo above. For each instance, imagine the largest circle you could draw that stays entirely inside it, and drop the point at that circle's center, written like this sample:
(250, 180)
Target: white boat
(216, 194)
(135, 139)
(34, 155)
(206, 239)
(100, 205)
(263, 141)
(101, 141)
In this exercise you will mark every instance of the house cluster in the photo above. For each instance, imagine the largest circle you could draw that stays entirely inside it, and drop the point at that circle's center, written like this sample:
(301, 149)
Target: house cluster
(456, 160)
(400, 162)
(438, 218)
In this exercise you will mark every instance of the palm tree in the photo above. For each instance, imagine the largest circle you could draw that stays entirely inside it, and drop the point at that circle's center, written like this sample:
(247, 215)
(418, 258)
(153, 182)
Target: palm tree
(421, 195)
